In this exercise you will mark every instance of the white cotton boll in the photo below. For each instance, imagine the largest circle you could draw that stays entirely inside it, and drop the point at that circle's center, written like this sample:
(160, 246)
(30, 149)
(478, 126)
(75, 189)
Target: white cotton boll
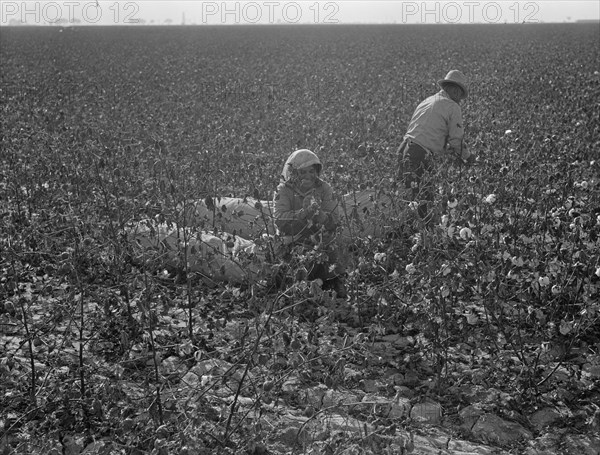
(465, 233)
(410, 268)
(490, 199)
(380, 257)
(544, 281)
(453, 203)
(598, 272)
(444, 220)
(446, 269)
(507, 132)
(555, 289)
(584, 185)
(517, 261)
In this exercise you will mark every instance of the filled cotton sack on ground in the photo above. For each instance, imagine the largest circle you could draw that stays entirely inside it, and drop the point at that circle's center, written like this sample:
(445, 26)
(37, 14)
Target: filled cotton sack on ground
(246, 217)
(225, 257)
(235, 255)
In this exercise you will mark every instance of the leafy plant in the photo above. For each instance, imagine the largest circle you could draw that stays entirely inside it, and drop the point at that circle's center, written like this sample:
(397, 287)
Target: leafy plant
(495, 307)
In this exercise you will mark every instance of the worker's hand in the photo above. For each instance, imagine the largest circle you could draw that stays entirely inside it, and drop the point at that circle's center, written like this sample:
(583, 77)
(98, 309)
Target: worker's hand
(464, 155)
(310, 206)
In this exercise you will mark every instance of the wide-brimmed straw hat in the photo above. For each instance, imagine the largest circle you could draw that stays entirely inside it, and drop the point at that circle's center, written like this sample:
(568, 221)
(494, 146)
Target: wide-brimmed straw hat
(457, 78)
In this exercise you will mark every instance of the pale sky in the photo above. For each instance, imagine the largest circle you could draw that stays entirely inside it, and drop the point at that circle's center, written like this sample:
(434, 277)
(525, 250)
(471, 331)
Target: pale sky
(243, 12)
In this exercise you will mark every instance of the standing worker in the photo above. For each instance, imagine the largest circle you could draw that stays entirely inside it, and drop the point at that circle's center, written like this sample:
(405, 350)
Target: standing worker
(436, 126)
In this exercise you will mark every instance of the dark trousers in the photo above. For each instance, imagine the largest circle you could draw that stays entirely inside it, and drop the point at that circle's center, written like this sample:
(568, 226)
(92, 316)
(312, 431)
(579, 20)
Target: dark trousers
(417, 165)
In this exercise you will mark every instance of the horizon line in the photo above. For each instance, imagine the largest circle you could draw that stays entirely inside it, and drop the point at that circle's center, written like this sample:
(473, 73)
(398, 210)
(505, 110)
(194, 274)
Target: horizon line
(285, 24)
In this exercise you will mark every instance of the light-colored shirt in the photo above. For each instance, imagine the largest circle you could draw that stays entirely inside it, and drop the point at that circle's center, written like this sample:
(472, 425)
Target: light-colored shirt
(437, 123)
